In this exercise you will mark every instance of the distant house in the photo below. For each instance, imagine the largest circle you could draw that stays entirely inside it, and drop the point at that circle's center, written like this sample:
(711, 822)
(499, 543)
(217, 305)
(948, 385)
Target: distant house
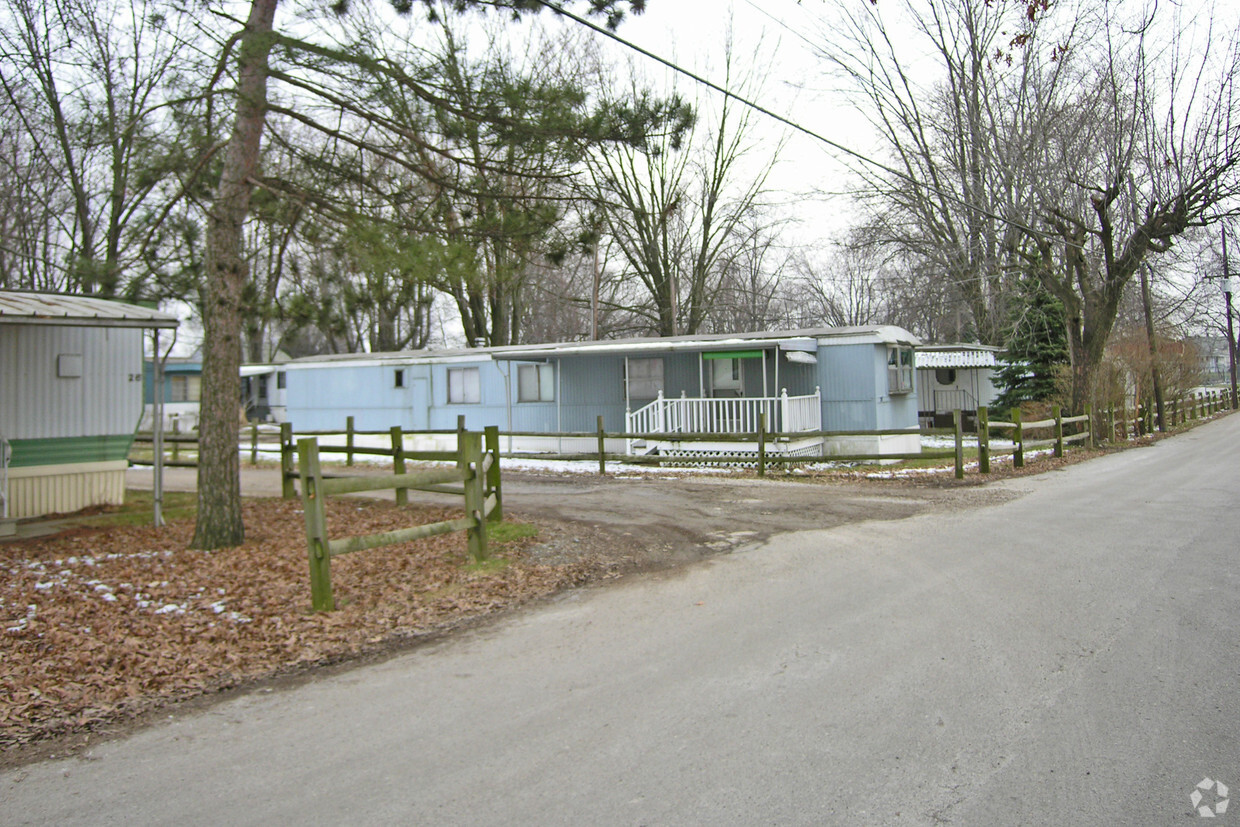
(70, 399)
(1215, 359)
(263, 392)
(182, 393)
(954, 377)
(846, 379)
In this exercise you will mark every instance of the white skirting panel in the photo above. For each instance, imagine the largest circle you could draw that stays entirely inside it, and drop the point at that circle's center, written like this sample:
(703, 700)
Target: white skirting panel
(63, 489)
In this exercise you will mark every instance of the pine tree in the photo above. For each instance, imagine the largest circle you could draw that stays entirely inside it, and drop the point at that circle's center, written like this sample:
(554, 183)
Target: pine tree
(1037, 345)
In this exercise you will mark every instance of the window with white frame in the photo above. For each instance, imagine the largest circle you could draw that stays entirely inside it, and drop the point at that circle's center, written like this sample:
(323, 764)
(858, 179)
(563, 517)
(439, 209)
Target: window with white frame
(463, 386)
(899, 369)
(645, 378)
(535, 383)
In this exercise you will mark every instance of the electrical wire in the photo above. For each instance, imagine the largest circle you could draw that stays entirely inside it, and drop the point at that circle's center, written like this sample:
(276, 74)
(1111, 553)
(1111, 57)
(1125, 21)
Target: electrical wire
(865, 159)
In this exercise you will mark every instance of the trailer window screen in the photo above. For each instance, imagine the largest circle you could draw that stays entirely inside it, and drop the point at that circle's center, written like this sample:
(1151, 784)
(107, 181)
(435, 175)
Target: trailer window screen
(645, 378)
(463, 386)
(899, 369)
(535, 383)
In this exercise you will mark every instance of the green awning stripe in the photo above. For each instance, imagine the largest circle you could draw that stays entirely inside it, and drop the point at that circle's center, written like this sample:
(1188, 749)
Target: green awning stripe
(35, 452)
(733, 354)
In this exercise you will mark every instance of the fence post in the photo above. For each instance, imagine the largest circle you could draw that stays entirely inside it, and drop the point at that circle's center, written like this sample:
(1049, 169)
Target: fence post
(1058, 430)
(348, 439)
(958, 422)
(1018, 437)
(470, 456)
(287, 489)
(1089, 423)
(398, 462)
(762, 444)
(253, 443)
(602, 448)
(176, 444)
(494, 484)
(312, 502)
(983, 439)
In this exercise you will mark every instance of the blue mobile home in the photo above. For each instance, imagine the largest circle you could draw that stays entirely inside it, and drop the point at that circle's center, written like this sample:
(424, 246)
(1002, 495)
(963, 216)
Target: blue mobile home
(182, 392)
(858, 379)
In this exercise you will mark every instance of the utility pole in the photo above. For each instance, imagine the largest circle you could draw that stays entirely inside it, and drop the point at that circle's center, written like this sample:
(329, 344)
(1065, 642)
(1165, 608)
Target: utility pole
(1231, 334)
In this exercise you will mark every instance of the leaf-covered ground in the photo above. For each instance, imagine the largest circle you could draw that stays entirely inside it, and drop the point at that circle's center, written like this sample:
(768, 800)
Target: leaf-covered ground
(100, 624)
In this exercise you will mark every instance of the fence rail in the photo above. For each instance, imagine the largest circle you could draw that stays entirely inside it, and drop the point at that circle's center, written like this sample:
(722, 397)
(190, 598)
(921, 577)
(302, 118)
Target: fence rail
(772, 447)
(477, 471)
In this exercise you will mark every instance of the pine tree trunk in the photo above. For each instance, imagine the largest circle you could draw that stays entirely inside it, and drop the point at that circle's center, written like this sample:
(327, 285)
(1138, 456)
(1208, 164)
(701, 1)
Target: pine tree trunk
(219, 473)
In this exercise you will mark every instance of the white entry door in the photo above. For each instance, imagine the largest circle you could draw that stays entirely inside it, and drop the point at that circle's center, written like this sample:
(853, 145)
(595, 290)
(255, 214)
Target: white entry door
(727, 377)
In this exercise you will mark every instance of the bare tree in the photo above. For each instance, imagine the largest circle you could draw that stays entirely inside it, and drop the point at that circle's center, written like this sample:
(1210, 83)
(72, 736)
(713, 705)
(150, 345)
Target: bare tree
(1140, 149)
(677, 207)
(87, 85)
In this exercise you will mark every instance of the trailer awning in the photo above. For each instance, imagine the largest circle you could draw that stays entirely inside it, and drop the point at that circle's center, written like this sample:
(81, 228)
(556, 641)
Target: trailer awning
(18, 307)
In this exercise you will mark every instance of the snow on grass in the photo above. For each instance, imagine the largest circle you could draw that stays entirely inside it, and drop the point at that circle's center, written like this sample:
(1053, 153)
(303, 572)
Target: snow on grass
(933, 442)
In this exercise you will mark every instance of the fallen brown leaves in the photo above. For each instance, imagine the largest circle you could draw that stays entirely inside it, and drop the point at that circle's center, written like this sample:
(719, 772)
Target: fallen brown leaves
(100, 624)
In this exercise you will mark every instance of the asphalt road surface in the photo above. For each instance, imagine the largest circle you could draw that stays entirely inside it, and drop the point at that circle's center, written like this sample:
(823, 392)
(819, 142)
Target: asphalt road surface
(1065, 656)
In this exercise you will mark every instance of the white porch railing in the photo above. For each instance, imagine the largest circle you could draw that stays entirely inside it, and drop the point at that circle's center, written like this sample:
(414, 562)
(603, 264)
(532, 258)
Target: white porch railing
(784, 414)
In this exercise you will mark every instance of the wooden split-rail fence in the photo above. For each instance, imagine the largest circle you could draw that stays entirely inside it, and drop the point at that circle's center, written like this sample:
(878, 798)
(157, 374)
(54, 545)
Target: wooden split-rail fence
(1112, 425)
(476, 478)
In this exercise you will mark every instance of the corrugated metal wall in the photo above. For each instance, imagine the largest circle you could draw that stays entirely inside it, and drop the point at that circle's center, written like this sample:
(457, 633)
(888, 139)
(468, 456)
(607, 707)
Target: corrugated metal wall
(854, 390)
(848, 375)
(33, 496)
(35, 403)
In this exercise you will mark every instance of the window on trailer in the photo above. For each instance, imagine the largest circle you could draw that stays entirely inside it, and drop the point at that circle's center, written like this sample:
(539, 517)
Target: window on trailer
(535, 383)
(463, 386)
(645, 378)
(185, 388)
(899, 369)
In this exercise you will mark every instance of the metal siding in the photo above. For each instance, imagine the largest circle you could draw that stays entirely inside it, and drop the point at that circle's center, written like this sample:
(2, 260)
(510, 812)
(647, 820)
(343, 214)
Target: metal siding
(65, 493)
(681, 375)
(846, 375)
(593, 384)
(854, 390)
(321, 399)
(797, 379)
(36, 404)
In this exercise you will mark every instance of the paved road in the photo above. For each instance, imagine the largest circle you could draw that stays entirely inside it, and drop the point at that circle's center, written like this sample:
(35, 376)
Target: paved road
(1068, 656)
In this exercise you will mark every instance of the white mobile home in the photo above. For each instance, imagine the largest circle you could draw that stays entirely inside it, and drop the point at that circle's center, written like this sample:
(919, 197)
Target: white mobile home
(951, 378)
(70, 399)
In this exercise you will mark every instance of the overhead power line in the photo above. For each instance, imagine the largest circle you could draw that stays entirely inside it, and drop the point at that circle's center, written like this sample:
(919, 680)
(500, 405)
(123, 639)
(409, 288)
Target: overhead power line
(865, 159)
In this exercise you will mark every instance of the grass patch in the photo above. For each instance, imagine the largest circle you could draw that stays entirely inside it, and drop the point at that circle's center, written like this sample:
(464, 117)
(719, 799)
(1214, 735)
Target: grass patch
(508, 532)
(138, 507)
(487, 567)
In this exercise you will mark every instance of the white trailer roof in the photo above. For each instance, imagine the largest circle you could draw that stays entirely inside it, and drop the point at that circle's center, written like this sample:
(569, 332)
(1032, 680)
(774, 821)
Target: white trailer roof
(17, 307)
